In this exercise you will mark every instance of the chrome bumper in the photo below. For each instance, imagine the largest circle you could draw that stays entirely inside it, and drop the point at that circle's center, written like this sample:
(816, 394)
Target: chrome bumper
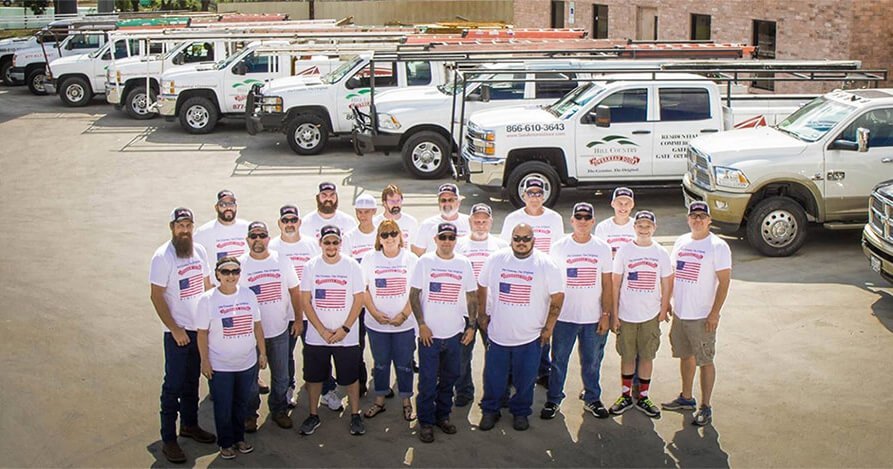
(486, 173)
(167, 105)
(112, 96)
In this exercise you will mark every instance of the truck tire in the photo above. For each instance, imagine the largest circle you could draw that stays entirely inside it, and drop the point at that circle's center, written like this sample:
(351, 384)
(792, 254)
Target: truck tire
(75, 92)
(5, 70)
(35, 81)
(136, 102)
(524, 171)
(777, 227)
(198, 115)
(307, 134)
(426, 155)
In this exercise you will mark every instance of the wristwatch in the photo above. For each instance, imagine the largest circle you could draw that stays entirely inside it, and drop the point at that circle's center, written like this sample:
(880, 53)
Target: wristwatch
(345, 329)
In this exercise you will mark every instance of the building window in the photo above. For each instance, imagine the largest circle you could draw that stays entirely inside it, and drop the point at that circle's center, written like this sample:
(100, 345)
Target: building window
(557, 14)
(700, 27)
(599, 21)
(764, 40)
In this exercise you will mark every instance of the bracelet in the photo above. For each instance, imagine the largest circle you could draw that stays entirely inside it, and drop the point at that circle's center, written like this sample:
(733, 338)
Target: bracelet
(345, 329)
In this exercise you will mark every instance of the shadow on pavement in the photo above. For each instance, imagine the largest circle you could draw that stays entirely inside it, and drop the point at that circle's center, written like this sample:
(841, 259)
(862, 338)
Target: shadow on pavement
(698, 447)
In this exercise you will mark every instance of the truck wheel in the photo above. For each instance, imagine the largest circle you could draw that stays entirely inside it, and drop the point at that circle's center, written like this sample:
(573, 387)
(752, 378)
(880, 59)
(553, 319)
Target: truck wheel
(75, 92)
(5, 71)
(136, 103)
(525, 171)
(307, 134)
(198, 115)
(777, 227)
(426, 155)
(35, 81)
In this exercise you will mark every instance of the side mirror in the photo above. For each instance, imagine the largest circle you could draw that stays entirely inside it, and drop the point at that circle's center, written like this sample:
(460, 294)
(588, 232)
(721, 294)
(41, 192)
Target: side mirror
(485, 93)
(178, 59)
(862, 135)
(602, 116)
(240, 68)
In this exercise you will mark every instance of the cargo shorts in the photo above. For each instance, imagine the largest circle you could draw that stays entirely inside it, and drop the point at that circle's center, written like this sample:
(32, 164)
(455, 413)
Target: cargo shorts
(689, 338)
(640, 339)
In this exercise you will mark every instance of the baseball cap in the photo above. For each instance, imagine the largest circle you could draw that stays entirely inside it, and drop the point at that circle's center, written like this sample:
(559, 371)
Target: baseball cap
(224, 194)
(289, 210)
(327, 186)
(646, 215)
(448, 187)
(584, 207)
(446, 228)
(364, 201)
(535, 182)
(623, 192)
(481, 208)
(329, 230)
(698, 206)
(257, 226)
(181, 213)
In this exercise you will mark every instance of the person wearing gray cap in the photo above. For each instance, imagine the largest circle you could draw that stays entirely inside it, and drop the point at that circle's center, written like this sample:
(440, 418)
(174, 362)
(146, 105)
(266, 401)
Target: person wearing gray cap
(449, 201)
(225, 235)
(178, 275)
(326, 213)
(703, 264)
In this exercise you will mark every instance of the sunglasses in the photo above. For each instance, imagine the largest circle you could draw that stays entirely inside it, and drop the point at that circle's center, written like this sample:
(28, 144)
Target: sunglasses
(226, 204)
(291, 220)
(446, 237)
(522, 239)
(258, 235)
(535, 194)
(331, 243)
(582, 217)
(225, 272)
(699, 216)
(389, 234)
(450, 200)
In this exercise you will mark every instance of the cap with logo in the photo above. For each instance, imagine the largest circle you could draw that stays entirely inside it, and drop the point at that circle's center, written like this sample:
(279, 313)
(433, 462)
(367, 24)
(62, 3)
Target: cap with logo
(481, 208)
(257, 226)
(698, 206)
(364, 201)
(446, 228)
(327, 186)
(534, 183)
(287, 210)
(329, 230)
(584, 207)
(646, 215)
(181, 213)
(622, 192)
(448, 187)
(224, 194)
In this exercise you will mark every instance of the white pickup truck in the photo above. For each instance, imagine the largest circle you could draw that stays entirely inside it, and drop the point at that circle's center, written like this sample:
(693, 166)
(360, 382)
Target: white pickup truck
(29, 64)
(198, 97)
(626, 129)
(8, 48)
(312, 111)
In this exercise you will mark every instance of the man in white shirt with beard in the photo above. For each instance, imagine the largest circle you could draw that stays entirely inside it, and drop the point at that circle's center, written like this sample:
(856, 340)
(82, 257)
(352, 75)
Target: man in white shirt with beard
(392, 209)
(326, 213)
(225, 235)
(449, 201)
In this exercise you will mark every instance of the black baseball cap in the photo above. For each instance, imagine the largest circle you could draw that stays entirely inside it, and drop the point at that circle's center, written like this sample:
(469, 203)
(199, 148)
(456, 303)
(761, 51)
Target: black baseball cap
(328, 186)
(257, 226)
(286, 210)
(224, 194)
(646, 215)
(481, 208)
(329, 230)
(446, 228)
(623, 192)
(584, 207)
(535, 182)
(448, 187)
(181, 213)
(698, 206)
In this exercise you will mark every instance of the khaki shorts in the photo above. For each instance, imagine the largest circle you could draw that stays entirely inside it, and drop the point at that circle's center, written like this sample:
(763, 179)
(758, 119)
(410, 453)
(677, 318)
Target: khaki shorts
(639, 339)
(689, 338)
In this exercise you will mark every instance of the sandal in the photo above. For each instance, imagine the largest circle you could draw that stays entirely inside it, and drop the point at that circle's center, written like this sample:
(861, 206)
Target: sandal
(374, 410)
(408, 414)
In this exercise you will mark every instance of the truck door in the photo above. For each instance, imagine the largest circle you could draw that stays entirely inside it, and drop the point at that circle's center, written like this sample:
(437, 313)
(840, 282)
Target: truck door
(356, 90)
(850, 175)
(623, 149)
(121, 51)
(242, 75)
(683, 114)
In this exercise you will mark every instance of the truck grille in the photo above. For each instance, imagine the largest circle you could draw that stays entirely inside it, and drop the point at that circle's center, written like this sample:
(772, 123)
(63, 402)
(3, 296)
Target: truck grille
(699, 167)
(474, 141)
(880, 216)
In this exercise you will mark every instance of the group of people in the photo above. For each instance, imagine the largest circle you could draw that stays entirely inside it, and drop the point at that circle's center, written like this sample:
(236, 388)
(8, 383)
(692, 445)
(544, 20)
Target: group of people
(235, 300)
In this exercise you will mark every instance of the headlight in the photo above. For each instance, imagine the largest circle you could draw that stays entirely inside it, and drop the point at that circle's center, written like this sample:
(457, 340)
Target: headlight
(388, 122)
(168, 86)
(489, 135)
(730, 177)
(271, 104)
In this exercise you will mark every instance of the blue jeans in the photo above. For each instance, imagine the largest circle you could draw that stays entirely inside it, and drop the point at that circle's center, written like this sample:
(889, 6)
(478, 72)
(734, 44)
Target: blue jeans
(438, 371)
(277, 360)
(591, 350)
(545, 364)
(329, 384)
(179, 390)
(465, 383)
(397, 348)
(292, 343)
(231, 391)
(522, 360)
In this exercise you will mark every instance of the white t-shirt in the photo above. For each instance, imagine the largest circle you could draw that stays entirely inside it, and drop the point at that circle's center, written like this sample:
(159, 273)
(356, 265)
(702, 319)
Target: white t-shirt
(183, 281)
(443, 284)
(332, 288)
(616, 235)
(407, 223)
(583, 266)
(311, 224)
(230, 321)
(521, 290)
(357, 244)
(478, 251)
(696, 264)
(299, 254)
(641, 269)
(428, 229)
(387, 279)
(222, 240)
(547, 228)
(270, 280)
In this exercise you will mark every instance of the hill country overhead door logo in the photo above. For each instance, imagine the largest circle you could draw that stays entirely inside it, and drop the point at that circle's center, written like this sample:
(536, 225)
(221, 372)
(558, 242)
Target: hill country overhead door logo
(247, 83)
(613, 149)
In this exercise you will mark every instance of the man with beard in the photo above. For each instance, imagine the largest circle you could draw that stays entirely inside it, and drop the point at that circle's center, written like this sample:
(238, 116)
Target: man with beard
(275, 284)
(224, 236)
(392, 203)
(449, 201)
(528, 291)
(178, 275)
(326, 213)
(298, 251)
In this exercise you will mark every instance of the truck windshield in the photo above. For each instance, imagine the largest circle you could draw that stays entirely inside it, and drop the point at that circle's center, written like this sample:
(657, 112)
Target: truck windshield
(572, 102)
(339, 73)
(812, 121)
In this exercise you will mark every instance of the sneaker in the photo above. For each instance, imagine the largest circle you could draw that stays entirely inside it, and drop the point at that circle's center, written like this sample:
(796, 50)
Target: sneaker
(550, 410)
(262, 386)
(488, 421)
(283, 420)
(227, 453)
(426, 434)
(310, 425)
(462, 401)
(597, 409)
(197, 434)
(520, 423)
(333, 401)
(173, 452)
(357, 427)
(290, 397)
(648, 407)
(250, 424)
(704, 416)
(621, 405)
(680, 403)
(244, 447)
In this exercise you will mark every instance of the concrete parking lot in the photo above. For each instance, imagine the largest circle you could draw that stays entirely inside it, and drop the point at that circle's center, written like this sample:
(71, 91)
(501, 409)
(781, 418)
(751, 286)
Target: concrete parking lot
(85, 195)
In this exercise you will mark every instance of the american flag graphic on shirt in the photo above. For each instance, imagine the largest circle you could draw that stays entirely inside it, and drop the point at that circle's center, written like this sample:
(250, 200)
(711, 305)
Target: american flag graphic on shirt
(477, 259)
(330, 298)
(443, 292)
(267, 292)
(298, 262)
(543, 243)
(191, 286)
(514, 293)
(237, 326)
(641, 280)
(390, 286)
(230, 248)
(688, 271)
(582, 276)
